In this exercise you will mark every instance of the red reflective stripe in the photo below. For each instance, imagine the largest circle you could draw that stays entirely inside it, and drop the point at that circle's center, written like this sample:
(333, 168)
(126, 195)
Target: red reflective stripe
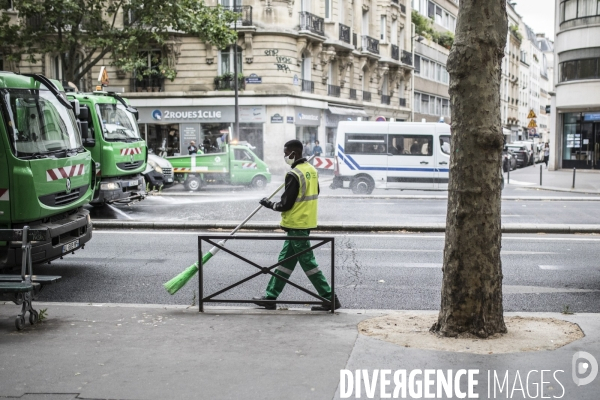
(80, 169)
(63, 173)
(52, 174)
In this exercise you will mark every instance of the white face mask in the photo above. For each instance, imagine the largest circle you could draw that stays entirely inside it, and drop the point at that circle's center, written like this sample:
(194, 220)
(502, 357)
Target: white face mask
(288, 160)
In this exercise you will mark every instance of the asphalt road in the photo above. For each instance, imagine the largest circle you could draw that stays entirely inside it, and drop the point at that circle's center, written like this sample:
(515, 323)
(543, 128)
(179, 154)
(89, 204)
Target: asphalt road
(541, 272)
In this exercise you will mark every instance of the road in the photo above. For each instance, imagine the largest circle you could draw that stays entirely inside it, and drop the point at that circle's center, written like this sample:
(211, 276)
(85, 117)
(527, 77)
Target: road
(392, 271)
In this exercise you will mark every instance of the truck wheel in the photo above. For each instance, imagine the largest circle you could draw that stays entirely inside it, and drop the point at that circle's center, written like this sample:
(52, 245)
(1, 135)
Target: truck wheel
(259, 182)
(362, 185)
(193, 183)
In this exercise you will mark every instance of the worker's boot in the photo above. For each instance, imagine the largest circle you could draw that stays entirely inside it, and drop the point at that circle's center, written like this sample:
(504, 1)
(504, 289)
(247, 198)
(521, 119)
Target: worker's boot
(336, 305)
(267, 306)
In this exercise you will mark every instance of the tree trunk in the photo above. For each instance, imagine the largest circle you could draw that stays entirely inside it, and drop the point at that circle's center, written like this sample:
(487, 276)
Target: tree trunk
(472, 281)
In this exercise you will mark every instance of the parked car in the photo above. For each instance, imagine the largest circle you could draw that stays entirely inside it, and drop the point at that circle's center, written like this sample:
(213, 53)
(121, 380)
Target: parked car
(509, 160)
(521, 153)
(533, 150)
(159, 172)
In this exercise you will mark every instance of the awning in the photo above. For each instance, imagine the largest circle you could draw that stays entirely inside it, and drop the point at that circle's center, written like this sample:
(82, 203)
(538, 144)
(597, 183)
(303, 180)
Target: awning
(347, 111)
(506, 132)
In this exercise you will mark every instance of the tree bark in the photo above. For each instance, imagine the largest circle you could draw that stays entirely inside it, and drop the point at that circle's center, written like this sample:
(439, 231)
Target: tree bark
(472, 271)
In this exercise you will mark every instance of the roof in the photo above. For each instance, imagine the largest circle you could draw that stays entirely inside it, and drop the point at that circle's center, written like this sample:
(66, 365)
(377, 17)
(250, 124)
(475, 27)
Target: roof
(531, 36)
(10, 80)
(546, 45)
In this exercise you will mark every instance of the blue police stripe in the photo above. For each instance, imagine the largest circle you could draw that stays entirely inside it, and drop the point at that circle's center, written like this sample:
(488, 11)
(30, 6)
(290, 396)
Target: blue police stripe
(348, 160)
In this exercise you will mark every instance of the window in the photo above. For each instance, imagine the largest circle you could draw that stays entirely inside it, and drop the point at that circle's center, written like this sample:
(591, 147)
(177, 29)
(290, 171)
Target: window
(242, 155)
(431, 10)
(306, 70)
(424, 104)
(587, 8)
(579, 69)
(394, 32)
(417, 102)
(116, 122)
(226, 66)
(342, 11)
(417, 64)
(410, 145)
(328, 9)
(365, 144)
(6, 4)
(365, 23)
(438, 16)
(445, 144)
(445, 107)
(230, 3)
(383, 28)
(570, 9)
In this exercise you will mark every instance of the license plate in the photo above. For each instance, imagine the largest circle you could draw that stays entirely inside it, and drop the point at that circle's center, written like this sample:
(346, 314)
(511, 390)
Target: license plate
(133, 183)
(70, 246)
(169, 180)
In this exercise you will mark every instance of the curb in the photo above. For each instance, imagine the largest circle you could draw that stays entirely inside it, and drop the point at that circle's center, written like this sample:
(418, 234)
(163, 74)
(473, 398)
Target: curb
(340, 227)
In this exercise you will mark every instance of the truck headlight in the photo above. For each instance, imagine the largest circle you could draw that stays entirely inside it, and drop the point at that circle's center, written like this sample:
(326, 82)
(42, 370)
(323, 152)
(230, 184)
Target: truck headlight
(109, 186)
(158, 169)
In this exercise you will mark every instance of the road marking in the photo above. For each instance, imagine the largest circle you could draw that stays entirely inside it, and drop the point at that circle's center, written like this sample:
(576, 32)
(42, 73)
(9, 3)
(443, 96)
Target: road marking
(119, 212)
(440, 250)
(510, 289)
(567, 267)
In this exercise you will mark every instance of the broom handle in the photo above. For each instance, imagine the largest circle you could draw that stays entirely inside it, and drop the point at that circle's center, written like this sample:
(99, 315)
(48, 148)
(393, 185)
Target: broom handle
(215, 249)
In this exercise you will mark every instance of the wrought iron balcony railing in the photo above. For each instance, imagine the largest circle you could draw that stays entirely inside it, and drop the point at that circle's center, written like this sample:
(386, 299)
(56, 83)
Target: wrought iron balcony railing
(310, 22)
(385, 99)
(370, 44)
(333, 90)
(147, 84)
(344, 33)
(407, 57)
(395, 52)
(307, 86)
(402, 102)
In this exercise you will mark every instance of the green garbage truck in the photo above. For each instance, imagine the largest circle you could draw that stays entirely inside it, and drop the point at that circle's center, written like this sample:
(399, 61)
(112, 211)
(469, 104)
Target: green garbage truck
(118, 150)
(233, 165)
(46, 175)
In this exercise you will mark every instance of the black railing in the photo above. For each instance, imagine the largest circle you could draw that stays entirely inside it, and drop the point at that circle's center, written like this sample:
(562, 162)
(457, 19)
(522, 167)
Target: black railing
(344, 33)
(35, 21)
(333, 90)
(370, 44)
(407, 57)
(217, 241)
(355, 40)
(395, 1)
(385, 99)
(225, 84)
(353, 94)
(310, 22)
(307, 86)
(245, 12)
(148, 84)
(402, 102)
(366, 96)
(395, 52)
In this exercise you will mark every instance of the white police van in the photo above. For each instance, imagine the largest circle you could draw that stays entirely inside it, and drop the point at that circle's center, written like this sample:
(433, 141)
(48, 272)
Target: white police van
(392, 155)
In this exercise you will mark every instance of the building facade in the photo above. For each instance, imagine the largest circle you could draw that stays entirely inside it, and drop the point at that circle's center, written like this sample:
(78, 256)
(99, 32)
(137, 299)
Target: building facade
(431, 80)
(306, 65)
(575, 112)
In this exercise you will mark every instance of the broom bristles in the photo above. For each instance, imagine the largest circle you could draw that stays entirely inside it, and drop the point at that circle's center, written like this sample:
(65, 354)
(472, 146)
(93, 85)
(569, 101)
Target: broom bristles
(180, 280)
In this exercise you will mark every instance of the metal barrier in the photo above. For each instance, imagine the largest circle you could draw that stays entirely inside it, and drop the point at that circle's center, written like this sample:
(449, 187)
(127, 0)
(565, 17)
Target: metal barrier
(263, 270)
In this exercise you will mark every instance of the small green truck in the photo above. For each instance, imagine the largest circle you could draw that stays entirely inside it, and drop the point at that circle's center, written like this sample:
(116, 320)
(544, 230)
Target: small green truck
(236, 165)
(46, 175)
(118, 150)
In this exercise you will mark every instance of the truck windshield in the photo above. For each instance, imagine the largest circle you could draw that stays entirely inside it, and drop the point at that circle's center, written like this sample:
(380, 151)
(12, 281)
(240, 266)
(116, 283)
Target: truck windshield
(118, 124)
(39, 125)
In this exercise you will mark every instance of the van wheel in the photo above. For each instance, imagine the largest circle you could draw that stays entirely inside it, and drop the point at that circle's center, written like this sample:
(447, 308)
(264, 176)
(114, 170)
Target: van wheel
(362, 185)
(259, 182)
(192, 183)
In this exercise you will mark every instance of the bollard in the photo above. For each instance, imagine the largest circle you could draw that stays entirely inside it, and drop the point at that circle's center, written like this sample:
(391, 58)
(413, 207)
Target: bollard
(573, 187)
(508, 175)
(540, 175)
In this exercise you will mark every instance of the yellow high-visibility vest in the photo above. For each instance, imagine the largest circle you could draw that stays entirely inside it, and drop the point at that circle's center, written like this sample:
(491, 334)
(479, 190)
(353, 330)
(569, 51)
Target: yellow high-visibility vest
(303, 214)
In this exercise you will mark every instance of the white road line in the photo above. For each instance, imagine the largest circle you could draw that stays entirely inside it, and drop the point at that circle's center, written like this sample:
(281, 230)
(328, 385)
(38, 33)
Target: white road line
(120, 212)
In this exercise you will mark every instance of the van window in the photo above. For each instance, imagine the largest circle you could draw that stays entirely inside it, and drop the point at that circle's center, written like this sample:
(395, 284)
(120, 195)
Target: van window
(242, 155)
(419, 145)
(445, 144)
(357, 143)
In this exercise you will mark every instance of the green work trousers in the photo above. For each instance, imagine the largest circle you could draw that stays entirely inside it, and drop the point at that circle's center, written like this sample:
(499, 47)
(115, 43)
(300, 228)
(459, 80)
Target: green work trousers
(307, 262)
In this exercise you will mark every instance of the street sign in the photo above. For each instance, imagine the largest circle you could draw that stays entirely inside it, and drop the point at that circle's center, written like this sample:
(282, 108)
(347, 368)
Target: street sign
(531, 114)
(253, 79)
(532, 132)
(532, 124)
(323, 163)
(380, 119)
(276, 119)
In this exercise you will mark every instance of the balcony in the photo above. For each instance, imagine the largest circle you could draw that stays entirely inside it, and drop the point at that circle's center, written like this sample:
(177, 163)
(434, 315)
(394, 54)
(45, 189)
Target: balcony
(147, 84)
(395, 52)
(385, 99)
(345, 33)
(370, 44)
(312, 23)
(407, 57)
(333, 90)
(366, 96)
(402, 102)
(353, 94)
(245, 12)
(35, 21)
(226, 82)
(307, 86)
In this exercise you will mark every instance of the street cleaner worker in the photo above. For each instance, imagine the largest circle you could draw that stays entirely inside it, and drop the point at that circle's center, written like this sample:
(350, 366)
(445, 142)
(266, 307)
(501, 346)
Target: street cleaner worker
(298, 207)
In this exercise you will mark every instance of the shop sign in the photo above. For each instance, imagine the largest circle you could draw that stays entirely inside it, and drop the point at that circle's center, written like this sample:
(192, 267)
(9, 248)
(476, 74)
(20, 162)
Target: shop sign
(308, 116)
(253, 79)
(591, 117)
(200, 114)
(252, 114)
(276, 119)
(290, 120)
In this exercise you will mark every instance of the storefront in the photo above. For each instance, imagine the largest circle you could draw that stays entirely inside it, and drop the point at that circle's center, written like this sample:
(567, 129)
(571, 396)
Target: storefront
(307, 126)
(169, 130)
(581, 140)
(333, 116)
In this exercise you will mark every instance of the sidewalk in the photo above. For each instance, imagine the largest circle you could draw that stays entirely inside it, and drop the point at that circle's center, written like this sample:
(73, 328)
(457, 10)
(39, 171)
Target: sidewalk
(586, 181)
(111, 351)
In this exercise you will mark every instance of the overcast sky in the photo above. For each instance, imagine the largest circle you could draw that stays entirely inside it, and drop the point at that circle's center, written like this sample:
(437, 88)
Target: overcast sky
(538, 14)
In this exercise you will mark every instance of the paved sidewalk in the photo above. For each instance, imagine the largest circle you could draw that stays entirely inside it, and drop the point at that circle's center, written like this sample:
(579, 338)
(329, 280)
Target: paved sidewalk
(586, 181)
(120, 352)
